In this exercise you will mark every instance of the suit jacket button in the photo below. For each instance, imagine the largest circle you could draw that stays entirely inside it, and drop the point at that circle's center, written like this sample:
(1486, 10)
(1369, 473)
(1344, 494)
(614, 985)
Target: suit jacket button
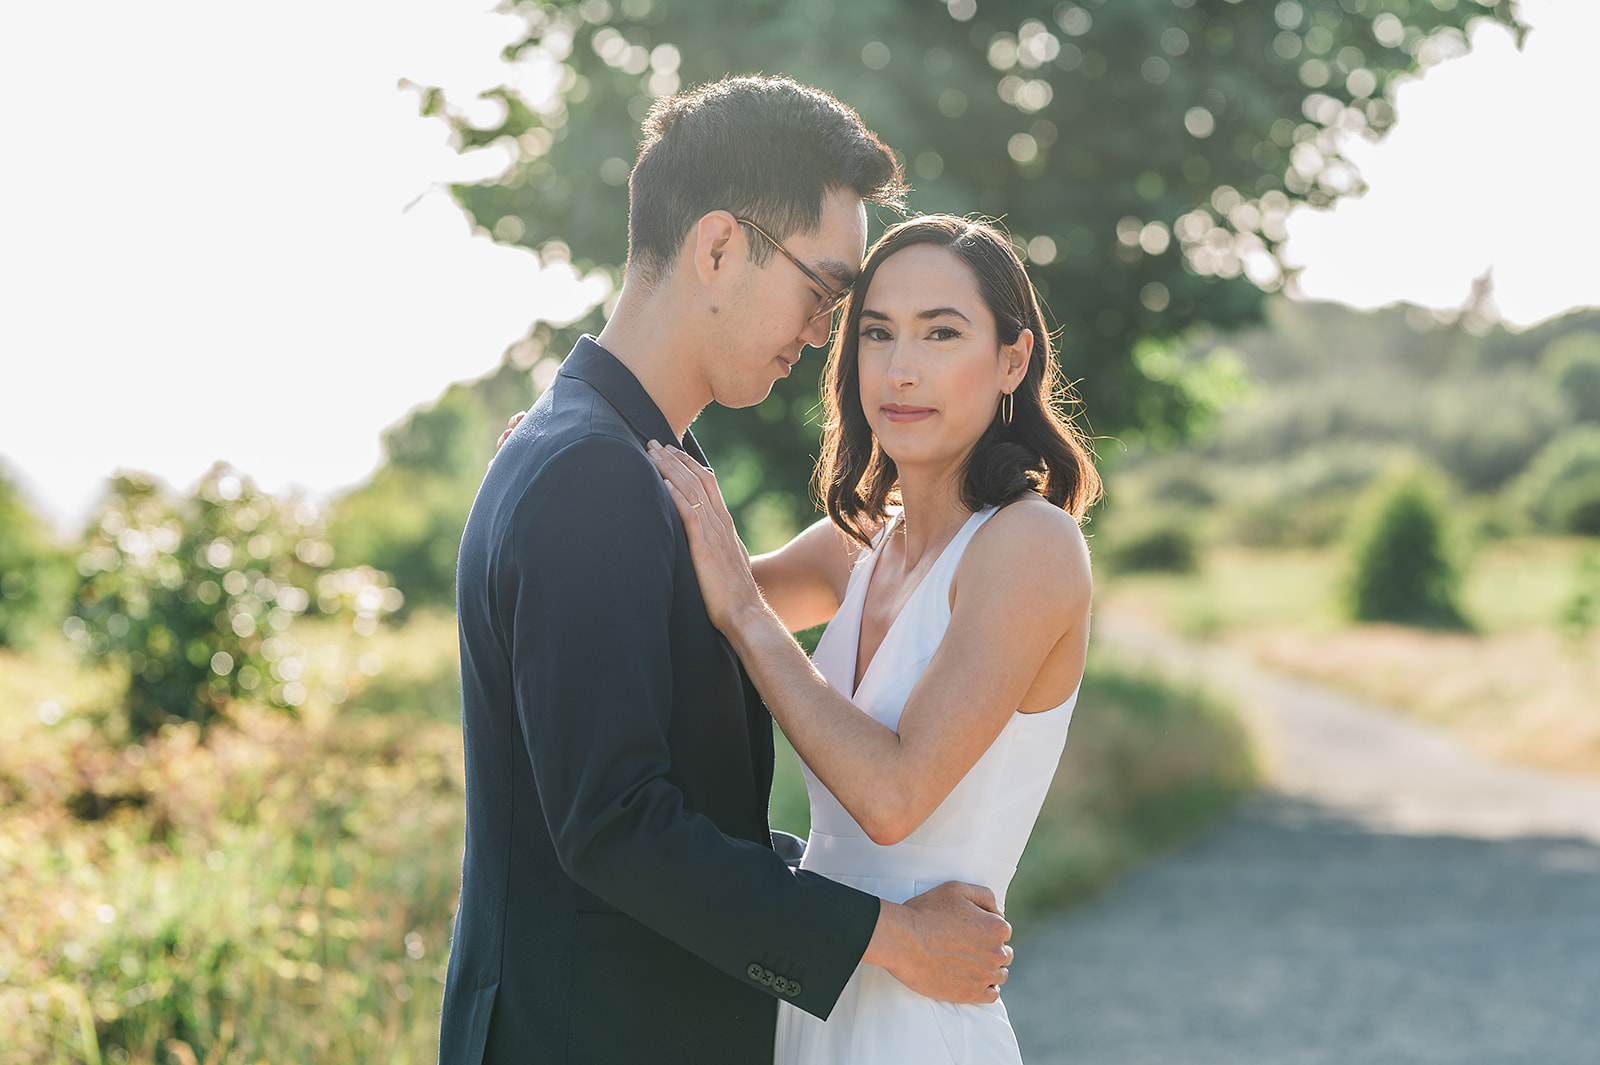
(794, 988)
(754, 972)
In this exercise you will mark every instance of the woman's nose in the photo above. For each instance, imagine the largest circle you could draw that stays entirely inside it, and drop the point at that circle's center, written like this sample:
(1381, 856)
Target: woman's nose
(902, 364)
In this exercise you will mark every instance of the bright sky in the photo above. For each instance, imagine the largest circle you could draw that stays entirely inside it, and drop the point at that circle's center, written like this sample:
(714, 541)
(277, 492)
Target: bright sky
(223, 233)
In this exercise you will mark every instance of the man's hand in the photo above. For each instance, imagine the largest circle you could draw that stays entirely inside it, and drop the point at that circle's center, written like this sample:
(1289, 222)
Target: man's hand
(948, 943)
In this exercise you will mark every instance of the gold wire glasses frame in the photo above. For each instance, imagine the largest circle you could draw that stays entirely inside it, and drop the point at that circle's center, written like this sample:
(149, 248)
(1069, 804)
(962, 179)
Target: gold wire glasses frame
(831, 297)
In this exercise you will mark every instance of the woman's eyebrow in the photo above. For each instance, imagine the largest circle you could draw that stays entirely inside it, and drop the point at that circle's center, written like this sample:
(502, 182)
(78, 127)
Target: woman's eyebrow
(936, 312)
(943, 312)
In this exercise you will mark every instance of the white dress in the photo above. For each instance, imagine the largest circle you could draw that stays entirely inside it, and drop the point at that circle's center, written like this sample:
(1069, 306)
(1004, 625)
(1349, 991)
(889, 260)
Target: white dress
(976, 835)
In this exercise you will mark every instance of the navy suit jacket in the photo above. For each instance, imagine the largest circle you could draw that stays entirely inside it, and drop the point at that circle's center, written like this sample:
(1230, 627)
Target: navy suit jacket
(620, 898)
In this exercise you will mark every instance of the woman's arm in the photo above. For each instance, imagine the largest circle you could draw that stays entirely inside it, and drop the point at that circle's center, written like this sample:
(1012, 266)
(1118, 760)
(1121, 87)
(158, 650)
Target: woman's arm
(1023, 588)
(804, 580)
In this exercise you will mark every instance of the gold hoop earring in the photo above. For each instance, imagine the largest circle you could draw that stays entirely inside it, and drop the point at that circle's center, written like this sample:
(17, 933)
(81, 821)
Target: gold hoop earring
(1007, 408)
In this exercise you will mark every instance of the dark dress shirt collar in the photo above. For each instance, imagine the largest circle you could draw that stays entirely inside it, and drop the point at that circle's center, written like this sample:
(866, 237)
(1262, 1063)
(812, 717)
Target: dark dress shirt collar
(591, 363)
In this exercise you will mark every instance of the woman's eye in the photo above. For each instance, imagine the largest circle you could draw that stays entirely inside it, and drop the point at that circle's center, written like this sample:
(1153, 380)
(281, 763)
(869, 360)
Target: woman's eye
(943, 333)
(875, 333)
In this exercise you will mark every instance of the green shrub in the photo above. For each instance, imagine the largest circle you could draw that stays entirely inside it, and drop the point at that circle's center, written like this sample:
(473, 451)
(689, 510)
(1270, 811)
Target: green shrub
(1404, 564)
(1572, 365)
(1484, 431)
(1561, 488)
(34, 574)
(1163, 543)
(197, 598)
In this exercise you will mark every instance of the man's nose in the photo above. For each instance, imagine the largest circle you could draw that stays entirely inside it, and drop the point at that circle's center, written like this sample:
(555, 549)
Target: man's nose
(818, 330)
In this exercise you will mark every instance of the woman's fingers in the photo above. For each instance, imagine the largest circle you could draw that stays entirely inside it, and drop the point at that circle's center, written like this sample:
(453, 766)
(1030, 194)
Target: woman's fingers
(678, 476)
(510, 425)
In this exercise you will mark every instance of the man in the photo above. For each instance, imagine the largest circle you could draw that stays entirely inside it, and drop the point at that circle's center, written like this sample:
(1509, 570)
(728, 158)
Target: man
(620, 898)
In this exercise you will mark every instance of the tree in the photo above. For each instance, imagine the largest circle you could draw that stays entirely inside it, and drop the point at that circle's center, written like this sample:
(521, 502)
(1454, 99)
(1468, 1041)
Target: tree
(407, 519)
(1145, 153)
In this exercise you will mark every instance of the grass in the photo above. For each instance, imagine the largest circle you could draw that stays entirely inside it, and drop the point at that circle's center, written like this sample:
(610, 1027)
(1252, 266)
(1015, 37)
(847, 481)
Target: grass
(1522, 686)
(282, 889)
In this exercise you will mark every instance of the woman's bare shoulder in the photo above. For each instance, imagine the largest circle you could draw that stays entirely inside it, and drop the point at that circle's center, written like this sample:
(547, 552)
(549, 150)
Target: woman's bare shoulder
(1035, 539)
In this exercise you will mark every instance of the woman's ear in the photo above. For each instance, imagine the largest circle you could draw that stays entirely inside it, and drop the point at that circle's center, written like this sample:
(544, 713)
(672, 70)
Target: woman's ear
(1015, 356)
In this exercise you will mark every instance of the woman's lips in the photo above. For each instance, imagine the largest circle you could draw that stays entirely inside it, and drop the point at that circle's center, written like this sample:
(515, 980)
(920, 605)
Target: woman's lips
(899, 412)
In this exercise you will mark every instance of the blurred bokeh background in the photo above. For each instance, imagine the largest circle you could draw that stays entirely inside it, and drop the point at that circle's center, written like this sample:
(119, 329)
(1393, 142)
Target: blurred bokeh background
(271, 280)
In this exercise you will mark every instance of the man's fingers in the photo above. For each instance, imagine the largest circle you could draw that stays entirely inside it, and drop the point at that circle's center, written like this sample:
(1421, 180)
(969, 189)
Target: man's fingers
(980, 896)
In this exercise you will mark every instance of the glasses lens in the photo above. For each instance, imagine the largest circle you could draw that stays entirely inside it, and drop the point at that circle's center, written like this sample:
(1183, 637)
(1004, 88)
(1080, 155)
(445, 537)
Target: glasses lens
(830, 305)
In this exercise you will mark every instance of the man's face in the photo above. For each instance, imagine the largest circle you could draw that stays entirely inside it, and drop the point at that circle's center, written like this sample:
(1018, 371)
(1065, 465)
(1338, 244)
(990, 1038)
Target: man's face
(775, 314)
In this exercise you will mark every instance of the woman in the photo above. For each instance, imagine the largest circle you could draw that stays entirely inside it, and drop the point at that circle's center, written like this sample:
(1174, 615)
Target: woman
(932, 716)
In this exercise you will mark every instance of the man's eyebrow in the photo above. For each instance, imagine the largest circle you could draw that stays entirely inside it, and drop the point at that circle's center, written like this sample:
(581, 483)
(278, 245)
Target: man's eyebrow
(838, 270)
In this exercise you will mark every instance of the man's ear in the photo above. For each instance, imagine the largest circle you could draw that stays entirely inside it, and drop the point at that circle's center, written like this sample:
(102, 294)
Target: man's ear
(1015, 357)
(716, 236)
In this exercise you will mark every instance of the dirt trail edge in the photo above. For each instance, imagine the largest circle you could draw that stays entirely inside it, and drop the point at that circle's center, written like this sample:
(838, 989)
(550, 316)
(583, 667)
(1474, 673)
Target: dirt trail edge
(1390, 898)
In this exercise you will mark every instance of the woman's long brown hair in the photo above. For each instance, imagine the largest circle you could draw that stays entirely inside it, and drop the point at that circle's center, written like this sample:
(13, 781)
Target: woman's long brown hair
(1040, 451)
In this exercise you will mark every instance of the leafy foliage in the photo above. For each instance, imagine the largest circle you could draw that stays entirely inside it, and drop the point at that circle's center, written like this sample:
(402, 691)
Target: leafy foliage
(1155, 542)
(276, 893)
(33, 571)
(197, 598)
(1144, 152)
(1562, 486)
(1403, 563)
(1336, 395)
(407, 520)
(1580, 614)
(1572, 363)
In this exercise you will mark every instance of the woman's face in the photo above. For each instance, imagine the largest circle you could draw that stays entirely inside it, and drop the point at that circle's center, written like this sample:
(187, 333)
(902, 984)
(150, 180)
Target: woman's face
(931, 364)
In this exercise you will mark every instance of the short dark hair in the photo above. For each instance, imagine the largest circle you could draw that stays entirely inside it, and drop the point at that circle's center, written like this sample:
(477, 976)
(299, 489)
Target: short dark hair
(765, 148)
(1039, 451)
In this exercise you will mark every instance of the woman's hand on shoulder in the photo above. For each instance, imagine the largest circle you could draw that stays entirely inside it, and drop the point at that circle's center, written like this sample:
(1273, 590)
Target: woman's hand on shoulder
(721, 563)
(511, 425)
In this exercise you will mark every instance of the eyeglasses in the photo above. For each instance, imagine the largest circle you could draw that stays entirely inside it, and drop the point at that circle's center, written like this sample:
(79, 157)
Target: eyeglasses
(830, 297)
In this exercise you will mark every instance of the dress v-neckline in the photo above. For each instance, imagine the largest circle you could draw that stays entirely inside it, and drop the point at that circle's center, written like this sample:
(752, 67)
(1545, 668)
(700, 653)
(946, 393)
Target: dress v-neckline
(866, 587)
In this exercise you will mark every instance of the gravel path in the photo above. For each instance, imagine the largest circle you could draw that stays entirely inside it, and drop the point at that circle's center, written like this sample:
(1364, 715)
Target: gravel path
(1389, 899)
